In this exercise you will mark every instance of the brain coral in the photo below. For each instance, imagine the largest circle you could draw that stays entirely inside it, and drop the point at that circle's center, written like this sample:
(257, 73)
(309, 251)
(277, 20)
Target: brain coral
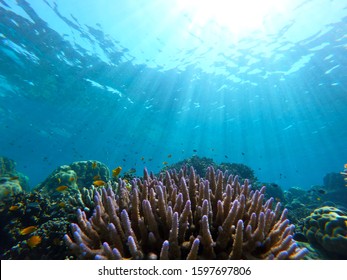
(327, 226)
(183, 216)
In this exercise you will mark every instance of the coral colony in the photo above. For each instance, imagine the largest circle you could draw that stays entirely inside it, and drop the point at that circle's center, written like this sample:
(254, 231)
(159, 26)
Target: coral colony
(183, 216)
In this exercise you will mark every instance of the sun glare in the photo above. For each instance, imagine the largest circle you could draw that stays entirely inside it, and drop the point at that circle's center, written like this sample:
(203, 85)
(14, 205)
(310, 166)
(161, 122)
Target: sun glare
(237, 16)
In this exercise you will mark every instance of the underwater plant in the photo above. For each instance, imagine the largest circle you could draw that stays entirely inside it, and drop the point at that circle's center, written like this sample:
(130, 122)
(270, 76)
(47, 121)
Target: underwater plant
(183, 216)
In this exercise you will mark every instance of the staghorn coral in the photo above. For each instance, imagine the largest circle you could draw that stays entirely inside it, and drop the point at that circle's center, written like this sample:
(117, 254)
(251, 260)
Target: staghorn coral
(182, 216)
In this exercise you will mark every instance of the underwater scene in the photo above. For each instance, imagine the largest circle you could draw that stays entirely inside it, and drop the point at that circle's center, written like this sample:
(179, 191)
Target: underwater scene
(156, 130)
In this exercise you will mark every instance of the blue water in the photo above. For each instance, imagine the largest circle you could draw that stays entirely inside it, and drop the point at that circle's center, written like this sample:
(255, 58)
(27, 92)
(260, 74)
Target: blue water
(131, 82)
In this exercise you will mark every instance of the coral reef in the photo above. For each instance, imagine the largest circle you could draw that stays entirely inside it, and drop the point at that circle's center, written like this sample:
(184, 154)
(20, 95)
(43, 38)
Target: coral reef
(300, 203)
(183, 216)
(327, 227)
(11, 181)
(48, 221)
(75, 176)
(333, 181)
(200, 164)
(242, 170)
(69, 183)
(273, 190)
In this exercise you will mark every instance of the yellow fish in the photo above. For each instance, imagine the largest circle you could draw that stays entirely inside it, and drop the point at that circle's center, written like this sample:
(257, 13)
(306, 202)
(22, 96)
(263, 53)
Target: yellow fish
(34, 241)
(94, 164)
(116, 171)
(61, 188)
(99, 183)
(165, 162)
(28, 230)
(62, 204)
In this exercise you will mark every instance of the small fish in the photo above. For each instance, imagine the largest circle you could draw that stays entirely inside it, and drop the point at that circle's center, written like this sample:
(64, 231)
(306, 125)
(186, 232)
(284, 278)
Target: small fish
(14, 178)
(62, 204)
(318, 198)
(99, 183)
(242, 153)
(116, 171)
(13, 208)
(345, 166)
(59, 180)
(28, 230)
(165, 162)
(132, 170)
(94, 164)
(142, 158)
(71, 179)
(34, 241)
(194, 151)
(96, 177)
(169, 156)
(322, 191)
(225, 156)
(61, 188)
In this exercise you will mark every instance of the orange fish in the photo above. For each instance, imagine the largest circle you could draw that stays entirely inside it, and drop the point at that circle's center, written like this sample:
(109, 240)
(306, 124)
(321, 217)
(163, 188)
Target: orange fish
(14, 178)
(71, 179)
(13, 208)
(28, 230)
(99, 183)
(345, 165)
(94, 164)
(116, 171)
(34, 241)
(61, 188)
(96, 177)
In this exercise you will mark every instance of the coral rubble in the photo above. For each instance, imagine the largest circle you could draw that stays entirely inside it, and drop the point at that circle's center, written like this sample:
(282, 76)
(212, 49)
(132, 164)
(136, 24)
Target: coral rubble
(183, 216)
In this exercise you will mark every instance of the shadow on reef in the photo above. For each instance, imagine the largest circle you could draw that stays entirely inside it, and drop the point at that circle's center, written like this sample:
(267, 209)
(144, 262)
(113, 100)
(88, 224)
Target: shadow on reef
(81, 211)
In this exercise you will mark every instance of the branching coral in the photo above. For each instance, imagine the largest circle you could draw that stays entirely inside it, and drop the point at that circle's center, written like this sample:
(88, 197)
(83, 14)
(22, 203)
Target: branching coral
(183, 216)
